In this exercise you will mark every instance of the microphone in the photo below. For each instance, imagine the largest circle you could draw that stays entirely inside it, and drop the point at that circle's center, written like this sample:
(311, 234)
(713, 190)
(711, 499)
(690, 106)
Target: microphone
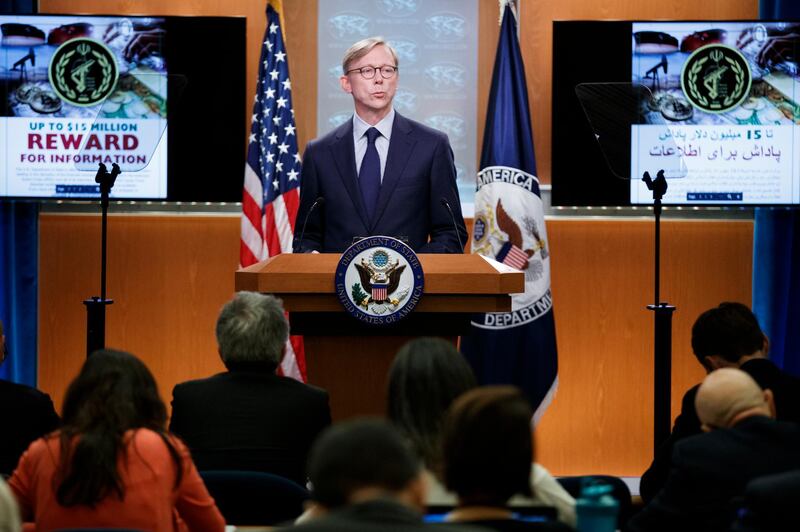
(317, 202)
(446, 203)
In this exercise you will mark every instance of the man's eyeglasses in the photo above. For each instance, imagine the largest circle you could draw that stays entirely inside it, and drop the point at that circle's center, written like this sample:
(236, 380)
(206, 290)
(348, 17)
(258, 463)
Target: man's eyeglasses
(368, 72)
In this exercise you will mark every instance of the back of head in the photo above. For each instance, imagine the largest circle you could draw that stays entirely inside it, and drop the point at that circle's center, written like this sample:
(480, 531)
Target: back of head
(358, 455)
(726, 396)
(252, 331)
(425, 378)
(730, 331)
(113, 393)
(487, 446)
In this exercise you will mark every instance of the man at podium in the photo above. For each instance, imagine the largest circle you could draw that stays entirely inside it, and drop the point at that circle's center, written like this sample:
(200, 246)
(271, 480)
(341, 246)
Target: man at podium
(379, 173)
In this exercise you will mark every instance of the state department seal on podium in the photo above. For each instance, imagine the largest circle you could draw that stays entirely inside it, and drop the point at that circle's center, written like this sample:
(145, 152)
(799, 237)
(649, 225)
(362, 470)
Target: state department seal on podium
(379, 280)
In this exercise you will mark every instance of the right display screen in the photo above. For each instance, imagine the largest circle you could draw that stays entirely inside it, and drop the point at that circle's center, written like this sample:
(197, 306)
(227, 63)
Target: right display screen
(718, 110)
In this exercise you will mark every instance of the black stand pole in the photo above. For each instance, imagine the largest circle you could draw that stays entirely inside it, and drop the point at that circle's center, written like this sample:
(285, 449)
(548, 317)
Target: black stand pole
(662, 359)
(96, 306)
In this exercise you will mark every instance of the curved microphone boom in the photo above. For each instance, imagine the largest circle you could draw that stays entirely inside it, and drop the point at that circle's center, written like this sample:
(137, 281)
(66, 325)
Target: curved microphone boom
(446, 203)
(317, 202)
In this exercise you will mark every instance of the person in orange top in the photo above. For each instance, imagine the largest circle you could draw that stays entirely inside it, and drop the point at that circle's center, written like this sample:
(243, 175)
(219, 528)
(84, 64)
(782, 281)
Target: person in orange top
(113, 464)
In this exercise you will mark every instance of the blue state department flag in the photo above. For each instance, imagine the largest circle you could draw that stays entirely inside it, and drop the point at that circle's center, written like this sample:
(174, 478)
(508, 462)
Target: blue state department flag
(518, 347)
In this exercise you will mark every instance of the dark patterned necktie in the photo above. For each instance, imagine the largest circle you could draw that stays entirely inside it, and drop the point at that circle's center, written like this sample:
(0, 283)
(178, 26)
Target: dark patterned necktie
(369, 177)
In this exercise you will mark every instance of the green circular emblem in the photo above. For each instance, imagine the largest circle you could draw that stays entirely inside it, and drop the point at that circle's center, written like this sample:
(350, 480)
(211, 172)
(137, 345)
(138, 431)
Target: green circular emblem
(83, 72)
(716, 78)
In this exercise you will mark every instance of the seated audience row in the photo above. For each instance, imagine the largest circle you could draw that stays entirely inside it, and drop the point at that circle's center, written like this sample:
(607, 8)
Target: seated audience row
(113, 462)
(364, 476)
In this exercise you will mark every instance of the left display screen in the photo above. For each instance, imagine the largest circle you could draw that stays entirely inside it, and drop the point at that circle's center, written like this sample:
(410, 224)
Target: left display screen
(77, 91)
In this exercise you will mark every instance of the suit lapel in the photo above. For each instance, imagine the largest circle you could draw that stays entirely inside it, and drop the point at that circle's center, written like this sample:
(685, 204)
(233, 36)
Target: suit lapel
(400, 147)
(343, 151)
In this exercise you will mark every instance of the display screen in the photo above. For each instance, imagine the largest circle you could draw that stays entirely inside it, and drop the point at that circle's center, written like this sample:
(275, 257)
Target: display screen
(721, 114)
(76, 91)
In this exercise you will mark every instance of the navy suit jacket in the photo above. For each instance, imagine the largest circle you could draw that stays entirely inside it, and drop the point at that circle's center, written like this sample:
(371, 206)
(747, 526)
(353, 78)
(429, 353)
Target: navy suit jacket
(419, 172)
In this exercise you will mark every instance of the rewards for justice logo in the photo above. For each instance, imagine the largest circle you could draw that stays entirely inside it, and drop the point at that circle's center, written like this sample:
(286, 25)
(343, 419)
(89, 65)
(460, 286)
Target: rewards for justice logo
(716, 78)
(83, 72)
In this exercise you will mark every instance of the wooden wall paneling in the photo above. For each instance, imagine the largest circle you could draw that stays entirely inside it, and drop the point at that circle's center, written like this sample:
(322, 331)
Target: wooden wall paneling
(602, 280)
(168, 277)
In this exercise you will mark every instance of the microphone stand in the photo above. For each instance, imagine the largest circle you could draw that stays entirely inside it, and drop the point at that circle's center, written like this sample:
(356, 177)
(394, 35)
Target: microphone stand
(455, 225)
(662, 361)
(96, 306)
(297, 245)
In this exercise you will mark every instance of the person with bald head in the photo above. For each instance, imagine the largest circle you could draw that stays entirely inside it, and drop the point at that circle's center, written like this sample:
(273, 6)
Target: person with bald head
(741, 441)
(728, 396)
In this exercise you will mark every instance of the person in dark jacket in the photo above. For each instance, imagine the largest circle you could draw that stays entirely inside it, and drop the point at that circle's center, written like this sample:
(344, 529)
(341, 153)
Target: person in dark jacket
(25, 414)
(727, 336)
(709, 471)
(248, 418)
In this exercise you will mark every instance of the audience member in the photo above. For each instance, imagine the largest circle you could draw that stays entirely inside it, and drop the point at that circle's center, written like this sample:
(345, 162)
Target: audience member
(113, 464)
(487, 446)
(743, 442)
(724, 336)
(249, 418)
(25, 414)
(427, 375)
(9, 513)
(364, 478)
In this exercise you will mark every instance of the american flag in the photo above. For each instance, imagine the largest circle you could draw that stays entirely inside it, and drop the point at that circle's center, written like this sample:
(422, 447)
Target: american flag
(272, 173)
(513, 256)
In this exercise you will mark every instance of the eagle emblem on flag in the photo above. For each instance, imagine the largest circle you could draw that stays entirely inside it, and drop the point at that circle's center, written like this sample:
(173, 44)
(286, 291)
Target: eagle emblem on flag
(510, 238)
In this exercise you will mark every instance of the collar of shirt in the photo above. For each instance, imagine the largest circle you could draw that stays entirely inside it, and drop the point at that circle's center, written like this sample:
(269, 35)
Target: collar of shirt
(360, 127)
(381, 143)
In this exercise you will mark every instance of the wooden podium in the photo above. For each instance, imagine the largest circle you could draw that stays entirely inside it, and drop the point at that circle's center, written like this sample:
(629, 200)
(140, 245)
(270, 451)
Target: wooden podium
(351, 359)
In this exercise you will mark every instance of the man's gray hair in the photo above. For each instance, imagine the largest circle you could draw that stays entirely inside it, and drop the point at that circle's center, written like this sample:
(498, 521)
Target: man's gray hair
(362, 48)
(252, 330)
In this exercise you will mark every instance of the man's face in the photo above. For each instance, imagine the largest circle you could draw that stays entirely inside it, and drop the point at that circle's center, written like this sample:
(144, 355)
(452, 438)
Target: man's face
(372, 97)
